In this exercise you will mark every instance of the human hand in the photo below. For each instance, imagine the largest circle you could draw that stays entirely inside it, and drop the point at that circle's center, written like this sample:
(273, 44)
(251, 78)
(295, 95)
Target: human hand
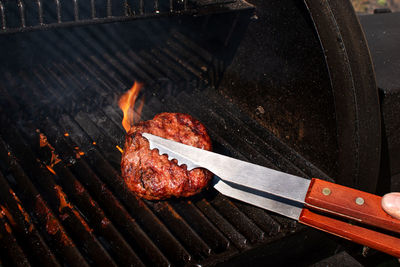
(391, 204)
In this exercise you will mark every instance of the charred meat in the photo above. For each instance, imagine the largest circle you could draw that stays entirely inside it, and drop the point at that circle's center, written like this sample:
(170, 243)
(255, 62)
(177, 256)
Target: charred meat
(153, 176)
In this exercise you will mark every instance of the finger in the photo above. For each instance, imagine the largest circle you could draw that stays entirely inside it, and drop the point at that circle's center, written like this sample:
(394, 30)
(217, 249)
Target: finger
(391, 204)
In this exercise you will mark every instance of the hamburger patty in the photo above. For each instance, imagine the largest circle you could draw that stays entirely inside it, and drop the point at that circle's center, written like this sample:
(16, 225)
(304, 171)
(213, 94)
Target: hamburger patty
(153, 176)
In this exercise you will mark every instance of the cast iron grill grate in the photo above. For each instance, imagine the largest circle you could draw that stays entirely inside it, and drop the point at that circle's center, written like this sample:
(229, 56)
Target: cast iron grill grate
(63, 202)
(23, 15)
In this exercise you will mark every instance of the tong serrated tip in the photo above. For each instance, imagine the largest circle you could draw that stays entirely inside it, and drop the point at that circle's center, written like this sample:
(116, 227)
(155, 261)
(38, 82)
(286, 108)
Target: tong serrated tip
(156, 142)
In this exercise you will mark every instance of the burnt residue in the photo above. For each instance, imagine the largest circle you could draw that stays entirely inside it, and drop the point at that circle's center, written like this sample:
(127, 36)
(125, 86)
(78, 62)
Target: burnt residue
(46, 221)
(22, 225)
(89, 213)
(52, 225)
(60, 205)
(279, 78)
(11, 252)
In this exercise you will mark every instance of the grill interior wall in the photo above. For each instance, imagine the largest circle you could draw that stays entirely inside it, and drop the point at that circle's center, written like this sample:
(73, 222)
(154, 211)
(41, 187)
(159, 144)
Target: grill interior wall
(65, 84)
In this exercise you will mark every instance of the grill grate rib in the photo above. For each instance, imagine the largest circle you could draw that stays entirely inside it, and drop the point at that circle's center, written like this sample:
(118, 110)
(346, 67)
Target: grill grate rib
(21, 222)
(74, 222)
(136, 206)
(10, 249)
(117, 213)
(37, 206)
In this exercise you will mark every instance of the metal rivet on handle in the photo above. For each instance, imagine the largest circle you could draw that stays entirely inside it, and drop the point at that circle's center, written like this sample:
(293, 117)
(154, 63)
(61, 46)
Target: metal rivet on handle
(326, 191)
(359, 201)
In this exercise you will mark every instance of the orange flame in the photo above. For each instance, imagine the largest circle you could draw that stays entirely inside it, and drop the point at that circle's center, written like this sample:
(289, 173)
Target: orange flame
(126, 104)
(120, 149)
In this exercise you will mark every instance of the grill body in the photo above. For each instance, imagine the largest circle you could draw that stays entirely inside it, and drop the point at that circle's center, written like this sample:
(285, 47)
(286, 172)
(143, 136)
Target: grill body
(263, 89)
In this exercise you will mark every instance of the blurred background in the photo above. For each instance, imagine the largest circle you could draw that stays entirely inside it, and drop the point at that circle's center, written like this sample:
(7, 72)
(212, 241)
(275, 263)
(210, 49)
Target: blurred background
(368, 6)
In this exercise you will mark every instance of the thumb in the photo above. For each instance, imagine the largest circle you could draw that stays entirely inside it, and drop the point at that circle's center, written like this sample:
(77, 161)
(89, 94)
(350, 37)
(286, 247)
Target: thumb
(391, 204)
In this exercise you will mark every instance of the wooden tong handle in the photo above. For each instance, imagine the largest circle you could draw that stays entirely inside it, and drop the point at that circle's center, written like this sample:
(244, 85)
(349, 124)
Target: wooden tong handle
(349, 203)
(360, 235)
(352, 204)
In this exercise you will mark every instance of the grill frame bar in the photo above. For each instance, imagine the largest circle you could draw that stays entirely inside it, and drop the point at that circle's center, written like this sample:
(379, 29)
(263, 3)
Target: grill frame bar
(192, 9)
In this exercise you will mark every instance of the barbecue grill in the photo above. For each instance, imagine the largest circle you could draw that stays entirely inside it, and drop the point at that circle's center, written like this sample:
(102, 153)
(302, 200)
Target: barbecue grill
(283, 84)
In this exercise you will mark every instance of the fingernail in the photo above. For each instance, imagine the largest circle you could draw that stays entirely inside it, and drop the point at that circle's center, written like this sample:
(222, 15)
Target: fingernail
(391, 204)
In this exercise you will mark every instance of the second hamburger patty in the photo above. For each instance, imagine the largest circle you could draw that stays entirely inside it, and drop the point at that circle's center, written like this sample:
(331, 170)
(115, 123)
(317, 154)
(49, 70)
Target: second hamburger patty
(153, 176)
